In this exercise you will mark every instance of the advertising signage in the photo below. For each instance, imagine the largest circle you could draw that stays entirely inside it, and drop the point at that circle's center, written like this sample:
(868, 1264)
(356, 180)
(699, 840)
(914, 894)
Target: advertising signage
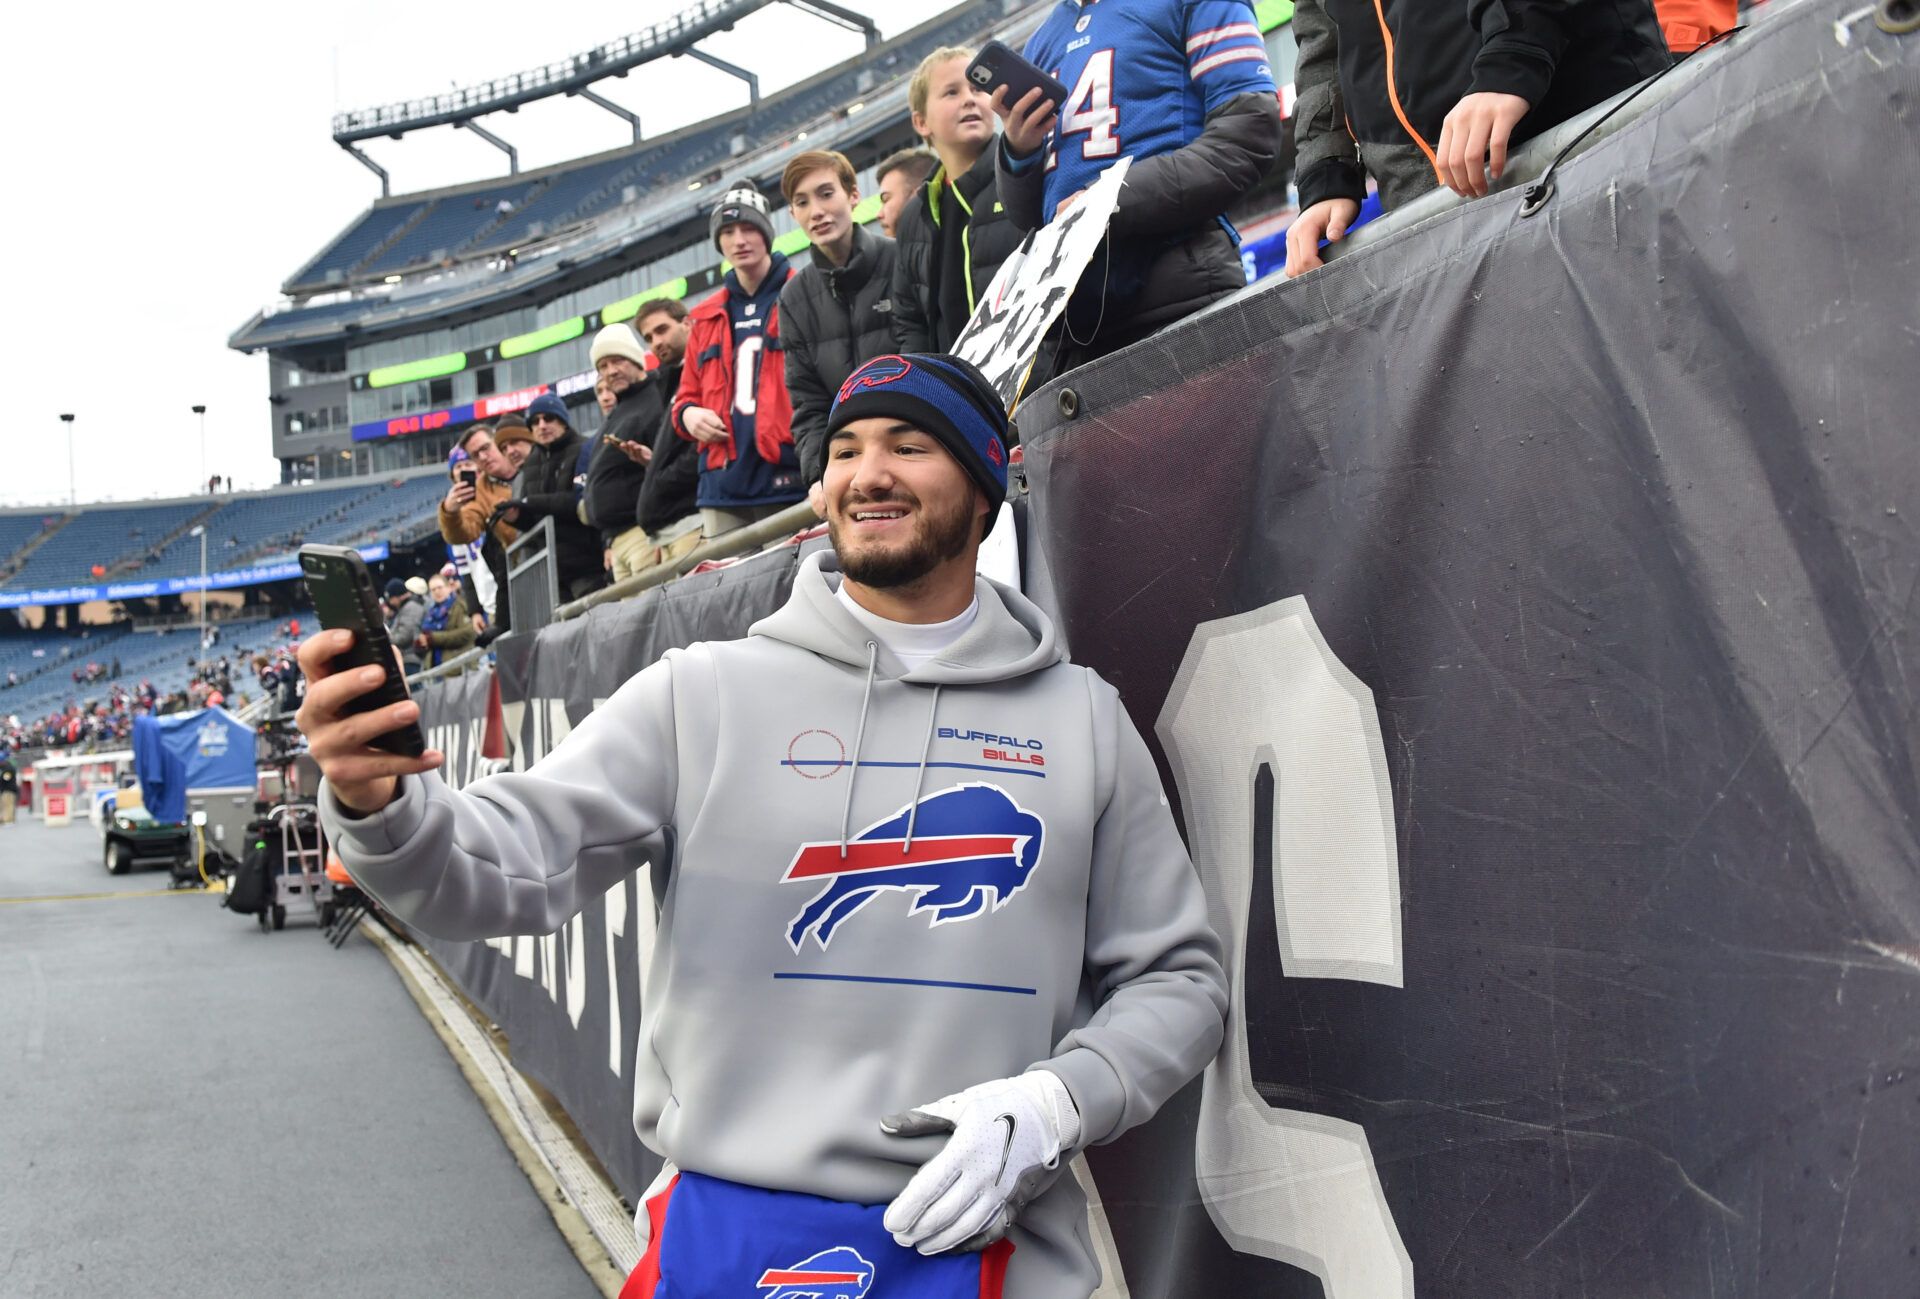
(427, 421)
(257, 575)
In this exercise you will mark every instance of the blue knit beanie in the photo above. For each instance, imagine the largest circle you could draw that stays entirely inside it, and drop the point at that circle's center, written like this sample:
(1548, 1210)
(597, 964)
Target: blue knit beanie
(548, 404)
(942, 395)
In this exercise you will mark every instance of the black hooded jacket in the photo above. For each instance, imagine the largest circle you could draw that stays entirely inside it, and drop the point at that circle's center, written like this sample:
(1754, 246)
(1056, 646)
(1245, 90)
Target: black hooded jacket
(920, 270)
(673, 475)
(833, 319)
(546, 489)
(614, 482)
(1561, 56)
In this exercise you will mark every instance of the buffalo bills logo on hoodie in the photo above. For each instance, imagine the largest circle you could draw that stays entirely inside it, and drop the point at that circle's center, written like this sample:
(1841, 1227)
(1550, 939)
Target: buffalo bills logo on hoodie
(969, 846)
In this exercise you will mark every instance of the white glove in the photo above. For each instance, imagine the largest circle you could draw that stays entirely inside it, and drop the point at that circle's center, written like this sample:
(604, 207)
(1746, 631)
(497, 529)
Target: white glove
(1005, 1149)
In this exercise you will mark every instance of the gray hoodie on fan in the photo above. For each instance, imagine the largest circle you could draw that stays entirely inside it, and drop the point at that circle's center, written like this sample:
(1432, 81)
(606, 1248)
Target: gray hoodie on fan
(885, 886)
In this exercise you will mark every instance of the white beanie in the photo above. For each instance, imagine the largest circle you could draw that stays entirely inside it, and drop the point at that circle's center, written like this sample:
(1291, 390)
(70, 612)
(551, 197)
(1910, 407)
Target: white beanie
(617, 340)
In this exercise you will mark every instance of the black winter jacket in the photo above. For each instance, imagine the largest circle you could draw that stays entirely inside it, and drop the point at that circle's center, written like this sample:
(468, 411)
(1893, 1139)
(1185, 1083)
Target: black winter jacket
(1561, 56)
(833, 319)
(917, 270)
(1167, 255)
(673, 475)
(613, 481)
(546, 489)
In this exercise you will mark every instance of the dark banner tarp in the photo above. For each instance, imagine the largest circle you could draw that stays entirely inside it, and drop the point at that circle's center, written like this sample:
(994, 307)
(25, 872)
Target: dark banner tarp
(1523, 609)
(1607, 515)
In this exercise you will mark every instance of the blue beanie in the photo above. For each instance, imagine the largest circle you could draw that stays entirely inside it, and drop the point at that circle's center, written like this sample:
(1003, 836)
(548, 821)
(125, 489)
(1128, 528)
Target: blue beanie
(548, 404)
(942, 395)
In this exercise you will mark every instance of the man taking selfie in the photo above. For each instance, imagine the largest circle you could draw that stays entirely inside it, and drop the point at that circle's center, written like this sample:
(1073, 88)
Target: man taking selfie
(958, 941)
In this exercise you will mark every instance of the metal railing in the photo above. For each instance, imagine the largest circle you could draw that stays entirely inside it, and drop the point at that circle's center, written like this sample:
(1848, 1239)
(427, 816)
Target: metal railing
(755, 536)
(533, 579)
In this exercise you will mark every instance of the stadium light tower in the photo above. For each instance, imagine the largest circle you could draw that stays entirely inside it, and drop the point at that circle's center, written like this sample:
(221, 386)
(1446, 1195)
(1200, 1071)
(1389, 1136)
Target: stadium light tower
(71, 498)
(200, 531)
(201, 411)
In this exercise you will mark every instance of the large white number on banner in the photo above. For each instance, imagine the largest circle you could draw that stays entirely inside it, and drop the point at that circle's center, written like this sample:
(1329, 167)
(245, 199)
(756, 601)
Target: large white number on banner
(1263, 689)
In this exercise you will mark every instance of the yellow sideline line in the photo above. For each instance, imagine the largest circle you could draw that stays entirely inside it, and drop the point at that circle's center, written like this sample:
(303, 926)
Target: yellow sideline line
(218, 887)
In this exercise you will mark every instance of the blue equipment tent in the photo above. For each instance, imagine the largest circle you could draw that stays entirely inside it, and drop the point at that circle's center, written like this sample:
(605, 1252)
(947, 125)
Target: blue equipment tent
(203, 750)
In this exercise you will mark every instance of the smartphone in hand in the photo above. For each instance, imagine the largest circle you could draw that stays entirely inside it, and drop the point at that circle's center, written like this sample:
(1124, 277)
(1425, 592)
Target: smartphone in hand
(343, 596)
(997, 65)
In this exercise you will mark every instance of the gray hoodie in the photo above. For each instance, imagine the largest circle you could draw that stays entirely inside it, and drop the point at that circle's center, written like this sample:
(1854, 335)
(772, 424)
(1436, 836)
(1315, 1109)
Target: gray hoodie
(885, 886)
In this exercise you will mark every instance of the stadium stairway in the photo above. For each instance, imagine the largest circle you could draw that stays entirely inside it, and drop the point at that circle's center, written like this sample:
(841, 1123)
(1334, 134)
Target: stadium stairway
(132, 564)
(14, 558)
(400, 232)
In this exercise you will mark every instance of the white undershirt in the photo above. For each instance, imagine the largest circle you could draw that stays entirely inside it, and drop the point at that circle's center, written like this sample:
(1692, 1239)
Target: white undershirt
(913, 643)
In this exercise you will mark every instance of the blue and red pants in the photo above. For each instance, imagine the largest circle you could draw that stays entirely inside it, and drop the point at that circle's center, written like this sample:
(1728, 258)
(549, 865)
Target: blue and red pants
(714, 1239)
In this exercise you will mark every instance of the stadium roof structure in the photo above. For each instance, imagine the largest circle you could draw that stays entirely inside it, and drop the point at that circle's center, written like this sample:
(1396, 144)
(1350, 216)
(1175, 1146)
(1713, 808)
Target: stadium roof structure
(670, 38)
(452, 253)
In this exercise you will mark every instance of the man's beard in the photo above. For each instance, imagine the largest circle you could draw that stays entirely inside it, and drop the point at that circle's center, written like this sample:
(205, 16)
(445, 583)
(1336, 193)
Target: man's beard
(937, 538)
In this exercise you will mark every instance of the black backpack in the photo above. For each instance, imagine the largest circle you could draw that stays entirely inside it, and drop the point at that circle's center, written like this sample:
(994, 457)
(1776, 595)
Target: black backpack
(250, 887)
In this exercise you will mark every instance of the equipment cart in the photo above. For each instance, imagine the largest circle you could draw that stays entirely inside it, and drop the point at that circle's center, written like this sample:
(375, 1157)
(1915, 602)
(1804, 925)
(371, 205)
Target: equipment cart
(299, 871)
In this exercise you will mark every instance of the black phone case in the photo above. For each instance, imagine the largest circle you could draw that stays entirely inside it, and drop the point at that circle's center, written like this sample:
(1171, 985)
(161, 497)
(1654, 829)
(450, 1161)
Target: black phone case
(998, 65)
(342, 592)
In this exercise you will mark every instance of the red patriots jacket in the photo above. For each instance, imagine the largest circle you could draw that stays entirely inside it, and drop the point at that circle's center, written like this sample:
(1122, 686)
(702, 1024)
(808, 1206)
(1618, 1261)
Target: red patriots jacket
(707, 380)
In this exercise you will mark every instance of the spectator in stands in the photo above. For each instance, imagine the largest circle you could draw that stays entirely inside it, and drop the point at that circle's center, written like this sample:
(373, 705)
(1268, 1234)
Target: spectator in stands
(467, 510)
(9, 790)
(405, 612)
(550, 488)
(1467, 85)
(605, 396)
(838, 313)
(638, 436)
(899, 176)
(733, 388)
(669, 511)
(1184, 89)
(954, 232)
(445, 627)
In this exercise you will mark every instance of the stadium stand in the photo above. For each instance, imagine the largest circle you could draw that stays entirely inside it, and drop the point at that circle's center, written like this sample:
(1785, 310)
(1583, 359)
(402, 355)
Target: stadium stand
(151, 542)
(113, 537)
(357, 242)
(395, 237)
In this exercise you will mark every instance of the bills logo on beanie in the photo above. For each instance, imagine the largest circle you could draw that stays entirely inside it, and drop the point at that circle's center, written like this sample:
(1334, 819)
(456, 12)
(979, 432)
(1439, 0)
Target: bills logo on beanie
(942, 396)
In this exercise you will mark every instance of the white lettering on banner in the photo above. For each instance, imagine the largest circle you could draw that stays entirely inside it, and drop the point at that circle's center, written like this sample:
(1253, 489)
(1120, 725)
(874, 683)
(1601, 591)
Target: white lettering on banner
(617, 909)
(1033, 285)
(576, 968)
(1264, 689)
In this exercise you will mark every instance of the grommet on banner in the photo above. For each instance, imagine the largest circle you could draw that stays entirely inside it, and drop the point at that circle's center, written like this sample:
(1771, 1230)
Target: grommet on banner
(1897, 17)
(1535, 196)
(1069, 403)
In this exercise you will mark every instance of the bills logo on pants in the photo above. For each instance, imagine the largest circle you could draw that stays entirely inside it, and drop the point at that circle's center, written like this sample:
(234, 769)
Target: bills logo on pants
(971, 846)
(837, 1273)
(715, 1239)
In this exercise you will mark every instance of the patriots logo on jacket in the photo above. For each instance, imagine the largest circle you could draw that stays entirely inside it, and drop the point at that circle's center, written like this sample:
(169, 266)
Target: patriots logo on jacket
(971, 845)
(877, 373)
(837, 1273)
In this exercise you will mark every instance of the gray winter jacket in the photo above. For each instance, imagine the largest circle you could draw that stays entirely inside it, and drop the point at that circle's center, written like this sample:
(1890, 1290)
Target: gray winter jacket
(804, 981)
(405, 626)
(833, 319)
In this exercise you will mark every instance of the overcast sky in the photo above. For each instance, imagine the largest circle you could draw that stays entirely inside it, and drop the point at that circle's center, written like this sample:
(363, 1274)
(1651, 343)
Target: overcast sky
(172, 165)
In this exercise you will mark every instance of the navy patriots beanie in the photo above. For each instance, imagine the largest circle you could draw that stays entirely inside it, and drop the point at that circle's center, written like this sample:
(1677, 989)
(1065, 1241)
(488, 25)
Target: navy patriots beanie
(943, 395)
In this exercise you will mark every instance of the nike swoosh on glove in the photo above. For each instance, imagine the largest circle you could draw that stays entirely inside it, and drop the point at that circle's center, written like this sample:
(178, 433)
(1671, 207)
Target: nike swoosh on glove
(1005, 1147)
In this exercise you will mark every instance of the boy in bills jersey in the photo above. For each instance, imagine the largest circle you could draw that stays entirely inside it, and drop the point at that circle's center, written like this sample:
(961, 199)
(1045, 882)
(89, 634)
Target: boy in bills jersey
(1182, 87)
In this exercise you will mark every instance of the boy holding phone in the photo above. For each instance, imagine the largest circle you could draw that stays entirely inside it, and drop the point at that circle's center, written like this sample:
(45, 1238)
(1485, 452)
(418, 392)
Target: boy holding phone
(1182, 87)
(954, 233)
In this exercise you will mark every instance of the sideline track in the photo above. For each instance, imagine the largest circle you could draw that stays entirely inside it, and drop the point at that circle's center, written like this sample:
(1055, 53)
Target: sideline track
(191, 1108)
